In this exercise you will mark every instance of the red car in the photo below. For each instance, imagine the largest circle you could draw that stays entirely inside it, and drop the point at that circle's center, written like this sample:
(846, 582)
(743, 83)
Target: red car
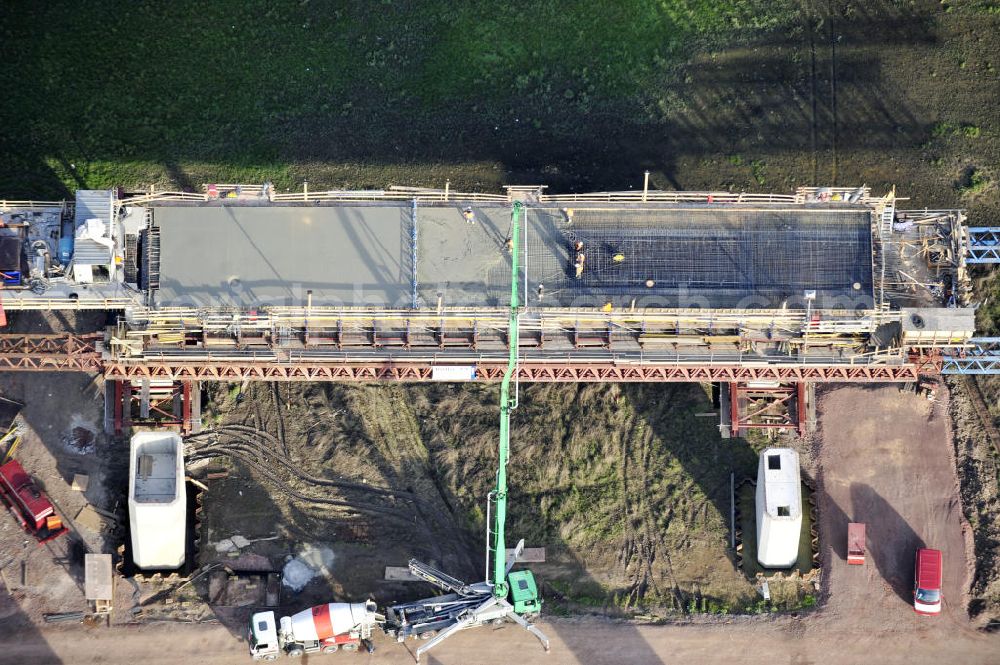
(29, 506)
(927, 574)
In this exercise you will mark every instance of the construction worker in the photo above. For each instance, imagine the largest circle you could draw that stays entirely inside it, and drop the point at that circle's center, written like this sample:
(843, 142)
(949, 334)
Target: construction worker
(509, 244)
(541, 292)
(569, 215)
(580, 259)
(618, 257)
(469, 216)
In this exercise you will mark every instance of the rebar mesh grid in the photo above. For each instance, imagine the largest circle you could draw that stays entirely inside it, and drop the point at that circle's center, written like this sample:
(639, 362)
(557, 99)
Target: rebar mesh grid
(697, 256)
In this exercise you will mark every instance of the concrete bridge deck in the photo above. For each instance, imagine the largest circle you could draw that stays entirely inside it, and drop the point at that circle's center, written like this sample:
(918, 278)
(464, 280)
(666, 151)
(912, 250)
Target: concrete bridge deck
(395, 255)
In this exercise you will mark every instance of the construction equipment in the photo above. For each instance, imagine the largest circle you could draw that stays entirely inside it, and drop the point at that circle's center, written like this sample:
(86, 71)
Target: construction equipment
(28, 504)
(327, 628)
(11, 450)
(14, 436)
(505, 594)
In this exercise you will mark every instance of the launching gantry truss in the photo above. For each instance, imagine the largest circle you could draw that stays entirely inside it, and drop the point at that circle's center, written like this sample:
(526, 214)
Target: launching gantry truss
(311, 345)
(87, 353)
(242, 283)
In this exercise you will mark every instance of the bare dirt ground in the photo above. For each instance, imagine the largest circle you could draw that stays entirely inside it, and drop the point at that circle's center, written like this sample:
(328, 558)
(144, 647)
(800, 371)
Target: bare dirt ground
(795, 641)
(885, 459)
(61, 436)
(886, 93)
(626, 487)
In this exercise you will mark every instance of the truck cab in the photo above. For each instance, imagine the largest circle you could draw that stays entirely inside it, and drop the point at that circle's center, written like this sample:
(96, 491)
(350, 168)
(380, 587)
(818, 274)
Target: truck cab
(524, 593)
(263, 636)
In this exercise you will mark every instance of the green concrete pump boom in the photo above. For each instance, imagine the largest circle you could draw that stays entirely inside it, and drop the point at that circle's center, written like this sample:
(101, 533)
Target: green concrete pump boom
(482, 603)
(507, 404)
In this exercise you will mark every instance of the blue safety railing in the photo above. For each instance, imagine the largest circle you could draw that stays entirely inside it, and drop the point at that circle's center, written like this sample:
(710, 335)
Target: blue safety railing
(984, 245)
(982, 358)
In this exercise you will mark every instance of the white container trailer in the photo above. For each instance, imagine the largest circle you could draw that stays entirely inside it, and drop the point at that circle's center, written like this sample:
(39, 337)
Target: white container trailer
(157, 500)
(779, 508)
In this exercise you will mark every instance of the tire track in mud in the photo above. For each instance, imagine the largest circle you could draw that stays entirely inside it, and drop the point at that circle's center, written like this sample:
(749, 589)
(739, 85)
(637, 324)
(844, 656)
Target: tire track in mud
(243, 434)
(640, 547)
(251, 458)
(279, 422)
(391, 425)
(262, 420)
(386, 443)
(258, 450)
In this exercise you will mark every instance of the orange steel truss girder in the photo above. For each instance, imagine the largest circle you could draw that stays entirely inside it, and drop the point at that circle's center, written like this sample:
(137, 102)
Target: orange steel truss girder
(50, 352)
(63, 352)
(527, 371)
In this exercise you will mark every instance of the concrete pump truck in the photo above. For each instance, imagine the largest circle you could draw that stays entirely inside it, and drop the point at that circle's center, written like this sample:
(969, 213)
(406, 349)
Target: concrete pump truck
(505, 594)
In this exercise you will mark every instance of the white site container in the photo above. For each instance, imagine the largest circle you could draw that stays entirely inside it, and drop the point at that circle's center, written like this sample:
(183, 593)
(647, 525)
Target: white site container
(779, 508)
(157, 500)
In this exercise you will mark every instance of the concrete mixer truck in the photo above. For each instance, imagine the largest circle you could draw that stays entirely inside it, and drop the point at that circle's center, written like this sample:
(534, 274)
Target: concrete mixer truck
(328, 628)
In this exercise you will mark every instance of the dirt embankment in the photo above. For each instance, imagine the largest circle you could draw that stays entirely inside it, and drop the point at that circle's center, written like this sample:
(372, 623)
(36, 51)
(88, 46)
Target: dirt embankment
(976, 454)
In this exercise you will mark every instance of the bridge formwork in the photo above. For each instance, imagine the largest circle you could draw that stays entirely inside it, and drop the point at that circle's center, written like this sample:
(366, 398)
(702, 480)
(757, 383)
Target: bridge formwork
(243, 283)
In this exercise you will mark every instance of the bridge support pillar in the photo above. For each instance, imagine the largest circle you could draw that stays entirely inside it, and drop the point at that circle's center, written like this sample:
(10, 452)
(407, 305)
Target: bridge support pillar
(767, 405)
(153, 403)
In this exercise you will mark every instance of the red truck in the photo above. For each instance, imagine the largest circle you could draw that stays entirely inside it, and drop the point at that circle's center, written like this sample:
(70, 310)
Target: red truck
(28, 504)
(927, 576)
(856, 543)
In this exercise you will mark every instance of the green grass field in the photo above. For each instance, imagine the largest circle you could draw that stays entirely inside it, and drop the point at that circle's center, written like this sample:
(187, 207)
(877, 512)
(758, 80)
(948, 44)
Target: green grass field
(743, 95)
(343, 93)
